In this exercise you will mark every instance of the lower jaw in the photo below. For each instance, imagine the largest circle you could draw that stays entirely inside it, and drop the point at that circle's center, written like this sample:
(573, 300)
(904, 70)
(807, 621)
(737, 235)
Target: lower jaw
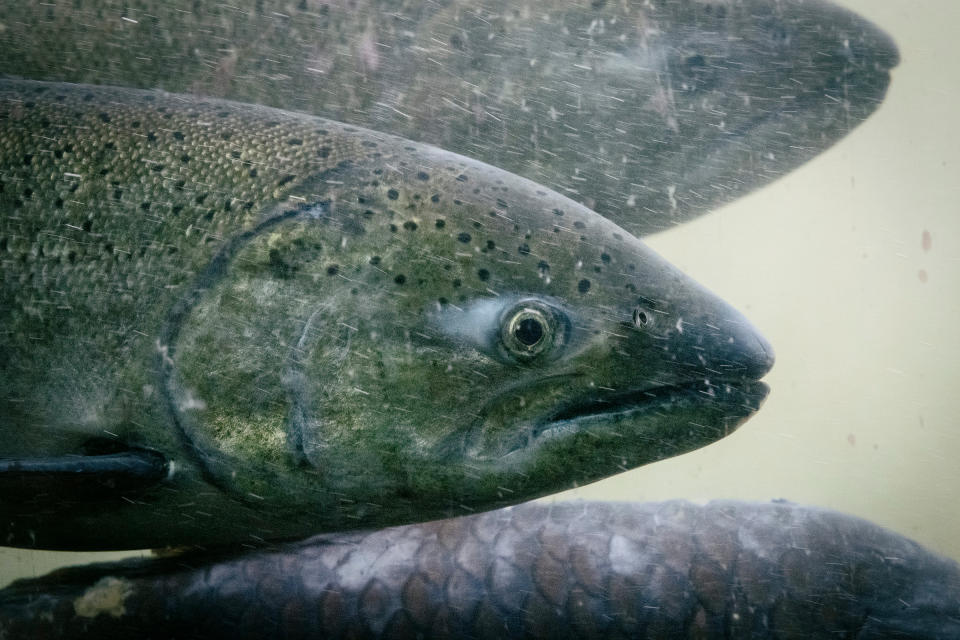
(668, 414)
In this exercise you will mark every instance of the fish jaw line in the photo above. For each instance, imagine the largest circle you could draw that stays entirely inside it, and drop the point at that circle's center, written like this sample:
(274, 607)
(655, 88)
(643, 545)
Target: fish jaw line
(635, 414)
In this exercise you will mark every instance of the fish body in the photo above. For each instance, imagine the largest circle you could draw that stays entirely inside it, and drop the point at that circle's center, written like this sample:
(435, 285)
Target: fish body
(267, 325)
(650, 113)
(604, 570)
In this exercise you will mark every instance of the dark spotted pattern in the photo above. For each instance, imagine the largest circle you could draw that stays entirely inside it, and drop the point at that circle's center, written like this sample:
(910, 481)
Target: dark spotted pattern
(277, 332)
(649, 112)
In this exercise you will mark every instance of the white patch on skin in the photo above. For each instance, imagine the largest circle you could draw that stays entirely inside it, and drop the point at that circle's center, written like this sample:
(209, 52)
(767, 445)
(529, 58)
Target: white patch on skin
(367, 51)
(473, 324)
(106, 596)
(164, 351)
(679, 325)
(626, 556)
(190, 401)
(376, 558)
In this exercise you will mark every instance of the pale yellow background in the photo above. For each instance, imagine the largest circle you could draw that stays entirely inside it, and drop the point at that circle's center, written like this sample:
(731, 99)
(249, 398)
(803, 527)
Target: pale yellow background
(863, 415)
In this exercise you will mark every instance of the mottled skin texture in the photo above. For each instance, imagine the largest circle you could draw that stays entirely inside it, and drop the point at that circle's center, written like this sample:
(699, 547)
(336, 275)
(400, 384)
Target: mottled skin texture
(307, 320)
(648, 112)
(573, 570)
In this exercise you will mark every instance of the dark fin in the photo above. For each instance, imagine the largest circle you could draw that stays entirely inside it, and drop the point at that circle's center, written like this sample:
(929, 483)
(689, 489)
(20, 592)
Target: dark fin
(80, 477)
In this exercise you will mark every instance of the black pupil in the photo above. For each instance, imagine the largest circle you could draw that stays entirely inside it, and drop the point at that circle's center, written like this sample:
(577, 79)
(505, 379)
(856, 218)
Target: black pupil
(529, 331)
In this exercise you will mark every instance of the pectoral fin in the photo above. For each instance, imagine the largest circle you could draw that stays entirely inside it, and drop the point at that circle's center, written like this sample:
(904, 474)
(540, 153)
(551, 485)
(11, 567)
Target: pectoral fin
(80, 477)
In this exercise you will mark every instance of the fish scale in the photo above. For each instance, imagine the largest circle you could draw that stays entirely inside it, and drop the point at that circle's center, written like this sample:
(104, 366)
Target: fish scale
(574, 570)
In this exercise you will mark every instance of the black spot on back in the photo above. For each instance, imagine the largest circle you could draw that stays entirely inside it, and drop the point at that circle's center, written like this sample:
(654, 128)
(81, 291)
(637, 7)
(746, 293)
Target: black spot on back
(583, 286)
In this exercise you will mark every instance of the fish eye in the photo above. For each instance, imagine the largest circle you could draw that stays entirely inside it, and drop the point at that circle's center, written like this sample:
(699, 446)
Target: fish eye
(530, 328)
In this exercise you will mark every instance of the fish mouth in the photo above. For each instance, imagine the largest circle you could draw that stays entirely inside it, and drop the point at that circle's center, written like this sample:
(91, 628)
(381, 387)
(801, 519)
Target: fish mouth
(642, 425)
(623, 404)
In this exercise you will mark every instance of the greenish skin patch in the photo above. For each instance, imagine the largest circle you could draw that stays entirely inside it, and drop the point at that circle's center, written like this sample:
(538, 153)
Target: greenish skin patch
(307, 319)
(650, 113)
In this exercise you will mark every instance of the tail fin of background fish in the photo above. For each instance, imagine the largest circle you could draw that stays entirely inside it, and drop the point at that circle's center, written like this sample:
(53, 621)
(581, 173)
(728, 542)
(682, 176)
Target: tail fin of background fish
(667, 570)
(651, 113)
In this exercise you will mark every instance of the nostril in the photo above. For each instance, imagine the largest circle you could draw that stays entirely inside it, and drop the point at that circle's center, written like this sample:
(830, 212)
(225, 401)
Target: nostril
(642, 318)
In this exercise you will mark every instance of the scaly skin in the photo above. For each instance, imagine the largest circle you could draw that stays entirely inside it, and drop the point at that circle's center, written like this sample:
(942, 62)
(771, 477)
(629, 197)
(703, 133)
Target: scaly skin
(568, 570)
(309, 321)
(650, 113)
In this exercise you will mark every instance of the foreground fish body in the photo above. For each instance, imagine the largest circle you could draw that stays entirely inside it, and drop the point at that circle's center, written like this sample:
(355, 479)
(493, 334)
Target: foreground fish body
(224, 322)
(649, 112)
(605, 570)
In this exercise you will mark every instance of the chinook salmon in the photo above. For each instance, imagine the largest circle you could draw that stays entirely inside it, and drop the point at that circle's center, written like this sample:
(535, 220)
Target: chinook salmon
(650, 113)
(569, 570)
(229, 323)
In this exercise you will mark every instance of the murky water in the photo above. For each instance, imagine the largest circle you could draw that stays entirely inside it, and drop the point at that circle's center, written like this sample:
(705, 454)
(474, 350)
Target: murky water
(851, 267)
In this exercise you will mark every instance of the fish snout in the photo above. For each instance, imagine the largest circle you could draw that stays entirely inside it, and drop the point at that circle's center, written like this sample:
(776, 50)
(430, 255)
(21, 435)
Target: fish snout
(722, 346)
(749, 353)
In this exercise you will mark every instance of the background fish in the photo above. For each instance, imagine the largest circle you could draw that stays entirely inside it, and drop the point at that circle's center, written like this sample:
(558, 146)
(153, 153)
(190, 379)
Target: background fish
(289, 325)
(651, 113)
(605, 570)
